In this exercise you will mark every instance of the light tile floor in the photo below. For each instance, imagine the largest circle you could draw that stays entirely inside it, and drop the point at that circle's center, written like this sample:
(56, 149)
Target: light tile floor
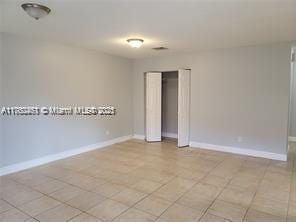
(136, 181)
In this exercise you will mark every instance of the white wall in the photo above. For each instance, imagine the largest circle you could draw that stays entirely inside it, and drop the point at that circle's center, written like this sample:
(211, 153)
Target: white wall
(1, 90)
(241, 92)
(40, 73)
(1, 101)
(235, 92)
(170, 103)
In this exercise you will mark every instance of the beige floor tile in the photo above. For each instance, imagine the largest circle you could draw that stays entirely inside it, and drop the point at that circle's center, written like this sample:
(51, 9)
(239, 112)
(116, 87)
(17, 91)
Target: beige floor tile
(293, 190)
(285, 169)
(257, 216)
(213, 157)
(207, 189)
(212, 218)
(227, 210)
(255, 174)
(191, 174)
(150, 174)
(108, 210)
(283, 186)
(153, 205)
(125, 180)
(245, 181)
(86, 200)
(268, 206)
(83, 181)
(273, 194)
(50, 187)
(227, 173)
(278, 180)
(170, 192)
(13, 215)
(181, 182)
(196, 201)
(205, 168)
(107, 174)
(85, 218)
(237, 195)
(4, 206)
(60, 213)
(38, 206)
(215, 180)
(91, 171)
(108, 189)
(54, 172)
(9, 185)
(146, 186)
(173, 190)
(67, 193)
(292, 211)
(19, 198)
(292, 195)
(6, 182)
(179, 213)
(129, 196)
(134, 215)
(161, 220)
(30, 178)
(31, 220)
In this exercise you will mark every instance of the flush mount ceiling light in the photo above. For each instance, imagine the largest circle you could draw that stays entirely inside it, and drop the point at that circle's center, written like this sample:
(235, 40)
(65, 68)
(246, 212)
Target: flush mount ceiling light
(35, 10)
(135, 43)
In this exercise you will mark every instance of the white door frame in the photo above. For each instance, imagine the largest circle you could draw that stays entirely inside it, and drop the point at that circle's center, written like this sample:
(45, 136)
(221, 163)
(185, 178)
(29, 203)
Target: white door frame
(292, 86)
(145, 110)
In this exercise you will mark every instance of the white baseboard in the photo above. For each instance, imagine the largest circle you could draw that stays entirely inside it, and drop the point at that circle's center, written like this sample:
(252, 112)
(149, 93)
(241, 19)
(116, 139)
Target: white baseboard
(139, 136)
(229, 149)
(292, 139)
(50, 158)
(170, 135)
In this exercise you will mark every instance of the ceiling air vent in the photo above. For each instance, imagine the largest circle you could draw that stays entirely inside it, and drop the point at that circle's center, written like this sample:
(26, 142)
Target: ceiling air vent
(160, 48)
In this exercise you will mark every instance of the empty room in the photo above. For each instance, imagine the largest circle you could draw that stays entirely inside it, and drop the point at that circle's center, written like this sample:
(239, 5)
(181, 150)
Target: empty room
(148, 111)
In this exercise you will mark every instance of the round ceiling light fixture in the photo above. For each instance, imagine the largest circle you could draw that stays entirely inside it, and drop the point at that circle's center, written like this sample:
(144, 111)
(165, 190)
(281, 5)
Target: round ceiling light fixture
(135, 43)
(35, 10)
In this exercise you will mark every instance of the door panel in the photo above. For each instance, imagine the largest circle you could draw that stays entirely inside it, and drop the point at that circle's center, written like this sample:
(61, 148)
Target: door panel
(153, 106)
(183, 107)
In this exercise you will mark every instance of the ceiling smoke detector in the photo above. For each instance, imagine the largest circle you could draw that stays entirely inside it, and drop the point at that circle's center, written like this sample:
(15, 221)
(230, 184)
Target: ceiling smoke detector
(35, 10)
(160, 48)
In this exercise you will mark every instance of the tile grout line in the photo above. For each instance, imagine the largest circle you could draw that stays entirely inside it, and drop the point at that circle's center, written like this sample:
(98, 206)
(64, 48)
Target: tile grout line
(172, 203)
(175, 202)
(257, 190)
(220, 194)
(143, 199)
(16, 207)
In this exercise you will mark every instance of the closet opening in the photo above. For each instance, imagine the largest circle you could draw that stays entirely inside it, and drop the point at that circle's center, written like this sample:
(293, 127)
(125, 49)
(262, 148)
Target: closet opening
(169, 103)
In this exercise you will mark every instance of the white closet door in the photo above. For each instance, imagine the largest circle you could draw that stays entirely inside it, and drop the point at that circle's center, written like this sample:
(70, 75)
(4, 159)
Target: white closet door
(153, 106)
(183, 107)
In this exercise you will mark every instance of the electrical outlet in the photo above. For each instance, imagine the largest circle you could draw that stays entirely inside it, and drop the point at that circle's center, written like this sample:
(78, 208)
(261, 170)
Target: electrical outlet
(107, 132)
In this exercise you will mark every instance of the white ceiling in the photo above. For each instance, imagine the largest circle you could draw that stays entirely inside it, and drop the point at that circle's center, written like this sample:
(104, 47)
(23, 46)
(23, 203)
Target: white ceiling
(181, 25)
